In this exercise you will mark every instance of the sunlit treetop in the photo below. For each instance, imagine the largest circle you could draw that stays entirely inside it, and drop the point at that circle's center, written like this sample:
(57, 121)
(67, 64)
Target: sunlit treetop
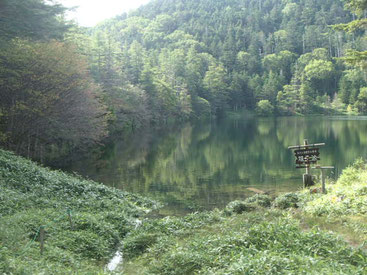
(357, 6)
(35, 19)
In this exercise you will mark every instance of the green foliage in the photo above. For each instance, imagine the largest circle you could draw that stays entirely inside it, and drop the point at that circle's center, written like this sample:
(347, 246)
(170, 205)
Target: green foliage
(355, 57)
(361, 103)
(250, 204)
(49, 101)
(32, 196)
(238, 207)
(289, 100)
(215, 83)
(138, 244)
(350, 84)
(33, 19)
(347, 196)
(260, 241)
(260, 200)
(159, 63)
(318, 69)
(280, 63)
(256, 243)
(202, 107)
(231, 53)
(264, 108)
(156, 232)
(289, 200)
(352, 26)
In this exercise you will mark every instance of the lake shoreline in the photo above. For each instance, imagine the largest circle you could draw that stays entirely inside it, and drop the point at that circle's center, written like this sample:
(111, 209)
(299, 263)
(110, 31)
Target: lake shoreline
(299, 232)
(204, 165)
(24, 208)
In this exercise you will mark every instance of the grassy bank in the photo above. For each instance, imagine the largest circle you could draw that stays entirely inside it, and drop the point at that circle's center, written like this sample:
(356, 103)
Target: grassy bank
(296, 233)
(32, 196)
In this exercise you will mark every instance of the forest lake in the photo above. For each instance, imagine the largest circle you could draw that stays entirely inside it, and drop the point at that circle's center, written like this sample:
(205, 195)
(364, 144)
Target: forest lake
(204, 165)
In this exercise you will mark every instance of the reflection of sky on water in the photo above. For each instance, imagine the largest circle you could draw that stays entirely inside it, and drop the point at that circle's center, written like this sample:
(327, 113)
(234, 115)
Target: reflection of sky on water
(206, 165)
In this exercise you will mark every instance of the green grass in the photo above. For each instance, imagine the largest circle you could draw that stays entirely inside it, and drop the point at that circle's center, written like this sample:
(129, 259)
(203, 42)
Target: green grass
(31, 196)
(343, 209)
(348, 196)
(295, 233)
(265, 241)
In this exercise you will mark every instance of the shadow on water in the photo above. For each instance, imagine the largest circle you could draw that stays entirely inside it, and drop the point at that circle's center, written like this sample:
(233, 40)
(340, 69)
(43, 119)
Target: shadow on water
(205, 165)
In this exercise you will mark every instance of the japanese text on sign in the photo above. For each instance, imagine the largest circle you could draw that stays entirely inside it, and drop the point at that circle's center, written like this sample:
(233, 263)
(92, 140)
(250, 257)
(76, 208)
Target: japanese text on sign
(307, 156)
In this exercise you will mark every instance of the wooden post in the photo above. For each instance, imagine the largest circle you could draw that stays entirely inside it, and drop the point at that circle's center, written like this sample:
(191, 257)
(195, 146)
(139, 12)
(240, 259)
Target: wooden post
(42, 238)
(305, 142)
(307, 178)
(70, 220)
(323, 189)
(322, 168)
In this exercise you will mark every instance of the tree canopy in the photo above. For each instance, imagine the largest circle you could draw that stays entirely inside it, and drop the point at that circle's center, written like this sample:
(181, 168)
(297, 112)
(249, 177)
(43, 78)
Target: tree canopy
(173, 61)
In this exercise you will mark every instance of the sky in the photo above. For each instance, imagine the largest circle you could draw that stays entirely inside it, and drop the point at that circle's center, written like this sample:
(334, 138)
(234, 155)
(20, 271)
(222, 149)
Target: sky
(91, 12)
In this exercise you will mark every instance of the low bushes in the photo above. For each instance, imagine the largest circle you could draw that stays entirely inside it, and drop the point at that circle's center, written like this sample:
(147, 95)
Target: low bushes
(253, 236)
(31, 196)
(289, 200)
(348, 196)
(260, 242)
(257, 235)
(248, 205)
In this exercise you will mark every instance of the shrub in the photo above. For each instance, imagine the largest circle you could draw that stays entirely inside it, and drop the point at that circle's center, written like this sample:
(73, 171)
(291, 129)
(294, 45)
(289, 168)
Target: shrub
(347, 197)
(264, 108)
(287, 201)
(260, 200)
(201, 107)
(136, 245)
(239, 207)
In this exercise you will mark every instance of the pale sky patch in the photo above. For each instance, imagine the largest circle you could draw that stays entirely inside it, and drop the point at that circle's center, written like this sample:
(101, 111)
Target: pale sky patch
(91, 12)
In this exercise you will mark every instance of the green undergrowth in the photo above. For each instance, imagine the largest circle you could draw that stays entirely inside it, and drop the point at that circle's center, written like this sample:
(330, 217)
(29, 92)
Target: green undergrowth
(343, 209)
(296, 233)
(265, 241)
(32, 196)
(348, 196)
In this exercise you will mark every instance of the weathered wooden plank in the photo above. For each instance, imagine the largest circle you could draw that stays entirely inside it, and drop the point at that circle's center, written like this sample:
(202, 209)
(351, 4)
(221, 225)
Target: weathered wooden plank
(258, 191)
(304, 146)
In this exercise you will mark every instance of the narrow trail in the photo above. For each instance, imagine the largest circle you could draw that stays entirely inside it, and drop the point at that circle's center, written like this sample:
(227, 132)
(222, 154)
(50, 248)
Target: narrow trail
(117, 261)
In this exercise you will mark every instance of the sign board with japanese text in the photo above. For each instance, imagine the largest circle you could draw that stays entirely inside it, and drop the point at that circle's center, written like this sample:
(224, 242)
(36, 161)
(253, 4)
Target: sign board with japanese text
(306, 156)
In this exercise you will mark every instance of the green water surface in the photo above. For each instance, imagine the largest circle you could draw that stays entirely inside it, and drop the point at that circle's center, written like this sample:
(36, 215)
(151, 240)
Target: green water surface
(204, 165)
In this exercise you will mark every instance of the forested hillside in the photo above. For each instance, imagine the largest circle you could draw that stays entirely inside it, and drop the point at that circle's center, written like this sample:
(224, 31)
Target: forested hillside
(197, 58)
(64, 87)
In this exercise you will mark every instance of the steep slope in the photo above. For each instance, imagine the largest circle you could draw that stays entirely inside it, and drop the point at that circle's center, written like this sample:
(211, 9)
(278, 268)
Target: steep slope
(200, 58)
(32, 196)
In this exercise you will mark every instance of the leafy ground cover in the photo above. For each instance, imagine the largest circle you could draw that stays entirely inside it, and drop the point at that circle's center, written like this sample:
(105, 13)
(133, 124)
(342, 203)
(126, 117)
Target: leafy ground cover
(32, 196)
(295, 233)
(259, 242)
(343, 209)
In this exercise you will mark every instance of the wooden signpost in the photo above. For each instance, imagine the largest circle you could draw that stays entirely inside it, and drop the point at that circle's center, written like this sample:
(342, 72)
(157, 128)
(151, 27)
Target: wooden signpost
(306, 155)
(323, 168)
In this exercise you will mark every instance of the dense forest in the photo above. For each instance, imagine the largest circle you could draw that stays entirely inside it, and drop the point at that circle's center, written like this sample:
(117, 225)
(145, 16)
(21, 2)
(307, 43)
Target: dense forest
(64, 87)
(197, 58)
